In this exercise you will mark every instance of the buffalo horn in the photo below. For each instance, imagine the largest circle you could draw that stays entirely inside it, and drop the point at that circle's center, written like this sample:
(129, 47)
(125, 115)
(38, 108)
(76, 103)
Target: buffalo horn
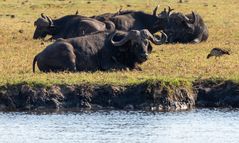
(43, 16)
(194, 19)
(155, 39)
(155, 10)
(109, 25)
(170, 10)
(120, 10)
(130, 35)
(50, 21)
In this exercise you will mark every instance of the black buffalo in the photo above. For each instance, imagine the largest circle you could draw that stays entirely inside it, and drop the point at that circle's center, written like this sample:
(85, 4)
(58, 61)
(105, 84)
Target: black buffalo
(107, 16)
(126, 20)
(188, 28)
(180, 28)
(68, 26)
(138, 20)
(98, 51)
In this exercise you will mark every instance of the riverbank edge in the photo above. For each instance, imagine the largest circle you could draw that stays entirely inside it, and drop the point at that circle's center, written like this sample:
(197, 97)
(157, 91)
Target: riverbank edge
(148, 96)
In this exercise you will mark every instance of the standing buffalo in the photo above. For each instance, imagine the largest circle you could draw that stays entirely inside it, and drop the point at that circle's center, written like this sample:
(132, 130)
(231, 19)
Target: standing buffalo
(98, 51)
(68, 26)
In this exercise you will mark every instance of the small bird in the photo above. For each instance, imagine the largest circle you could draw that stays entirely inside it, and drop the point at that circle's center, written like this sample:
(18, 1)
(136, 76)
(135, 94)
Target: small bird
(217, 52)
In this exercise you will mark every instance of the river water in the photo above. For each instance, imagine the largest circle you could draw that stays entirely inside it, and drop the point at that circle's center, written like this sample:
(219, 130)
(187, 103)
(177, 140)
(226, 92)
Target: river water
(195, 126)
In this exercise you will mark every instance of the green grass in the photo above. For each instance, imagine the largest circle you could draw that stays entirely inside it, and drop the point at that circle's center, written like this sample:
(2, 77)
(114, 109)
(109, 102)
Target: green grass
(170, 63)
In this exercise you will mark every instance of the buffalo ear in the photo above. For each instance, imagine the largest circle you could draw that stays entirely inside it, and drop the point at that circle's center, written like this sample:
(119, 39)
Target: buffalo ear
(150, 48)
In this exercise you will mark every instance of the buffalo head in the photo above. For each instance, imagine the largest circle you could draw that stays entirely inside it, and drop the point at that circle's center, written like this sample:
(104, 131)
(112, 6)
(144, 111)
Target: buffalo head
(188, 28)
(43, 25)
(162, 18)
(139, 44)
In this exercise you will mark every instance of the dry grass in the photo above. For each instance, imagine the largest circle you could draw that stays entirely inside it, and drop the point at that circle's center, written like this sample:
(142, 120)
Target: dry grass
(167, 62)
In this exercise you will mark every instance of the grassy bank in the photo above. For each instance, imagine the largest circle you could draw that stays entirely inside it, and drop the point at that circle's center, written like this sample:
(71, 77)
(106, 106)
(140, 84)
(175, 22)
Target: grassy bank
(170, 63)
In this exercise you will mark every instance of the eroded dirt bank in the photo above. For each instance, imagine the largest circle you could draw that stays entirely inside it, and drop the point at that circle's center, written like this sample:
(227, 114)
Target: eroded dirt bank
(145, 96)
(216, 93)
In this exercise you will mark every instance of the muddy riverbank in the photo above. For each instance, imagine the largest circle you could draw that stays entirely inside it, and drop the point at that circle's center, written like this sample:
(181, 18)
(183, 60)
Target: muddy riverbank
(146, 96)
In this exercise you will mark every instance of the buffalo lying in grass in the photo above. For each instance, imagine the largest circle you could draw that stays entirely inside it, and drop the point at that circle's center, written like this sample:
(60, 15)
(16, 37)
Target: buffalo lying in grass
(138, 20)
(180, 28)
(107, 16)
(68, 26)
(98, 51)
(188, 28)
(76, 25)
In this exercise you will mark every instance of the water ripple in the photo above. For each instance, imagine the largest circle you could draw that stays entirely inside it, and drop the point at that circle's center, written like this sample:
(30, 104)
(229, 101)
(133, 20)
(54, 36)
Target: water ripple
(201, 125)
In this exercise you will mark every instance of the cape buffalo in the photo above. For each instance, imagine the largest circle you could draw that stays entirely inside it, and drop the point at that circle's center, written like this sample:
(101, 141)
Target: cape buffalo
(68, 26)
(138, 20)
(180, 28)
(98, 51)
(188, 28)
(107, 16)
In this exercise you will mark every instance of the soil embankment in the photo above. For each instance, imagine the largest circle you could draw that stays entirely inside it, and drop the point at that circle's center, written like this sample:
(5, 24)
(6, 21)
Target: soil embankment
(216, 93)
(146, 96)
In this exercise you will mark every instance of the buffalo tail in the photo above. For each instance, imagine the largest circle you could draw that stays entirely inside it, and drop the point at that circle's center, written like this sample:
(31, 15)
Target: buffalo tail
(34, 62)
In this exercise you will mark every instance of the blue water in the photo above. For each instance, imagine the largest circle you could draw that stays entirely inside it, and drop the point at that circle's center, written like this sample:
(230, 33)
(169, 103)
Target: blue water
(196, 126)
